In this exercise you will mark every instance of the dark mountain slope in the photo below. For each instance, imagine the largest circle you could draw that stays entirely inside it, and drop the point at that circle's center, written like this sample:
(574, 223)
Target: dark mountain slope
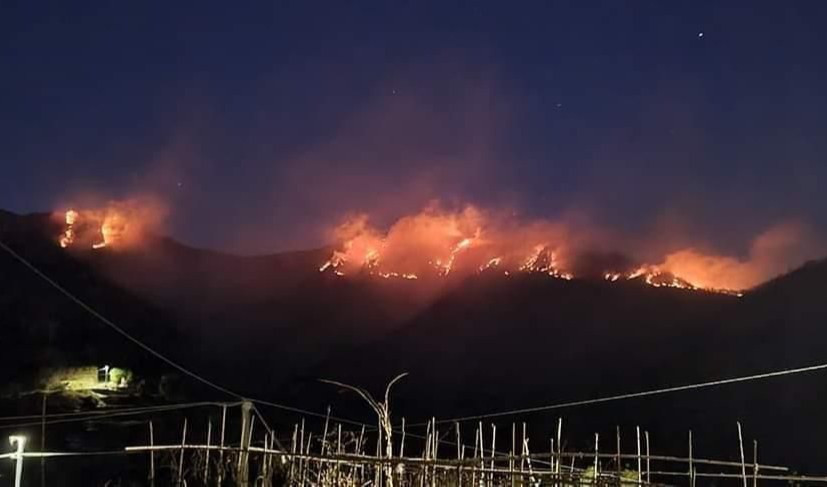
(40, 328)
(503, 343)
(269, 326)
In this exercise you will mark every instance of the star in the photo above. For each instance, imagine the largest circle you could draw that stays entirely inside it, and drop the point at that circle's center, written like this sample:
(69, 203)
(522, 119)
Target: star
(700, 34)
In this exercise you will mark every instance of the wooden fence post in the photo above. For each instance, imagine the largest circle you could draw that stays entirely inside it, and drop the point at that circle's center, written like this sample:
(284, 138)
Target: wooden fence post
(243, 469)
(207, 454)
(639, 471)
(220, 475)
(743, 462)
(151, 456)
(181, 457)
(691, 466)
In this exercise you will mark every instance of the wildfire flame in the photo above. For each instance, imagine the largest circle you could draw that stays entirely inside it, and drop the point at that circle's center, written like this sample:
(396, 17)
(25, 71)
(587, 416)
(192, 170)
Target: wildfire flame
(438, 243)
(441, 244)
(118, 224)
(68, 236)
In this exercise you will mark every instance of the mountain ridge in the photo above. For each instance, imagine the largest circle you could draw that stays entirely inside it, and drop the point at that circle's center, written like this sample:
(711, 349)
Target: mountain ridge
(269, 326)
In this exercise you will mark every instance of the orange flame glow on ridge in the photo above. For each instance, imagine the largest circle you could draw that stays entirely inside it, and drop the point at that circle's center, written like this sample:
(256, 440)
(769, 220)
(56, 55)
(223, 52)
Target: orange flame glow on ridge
(437, 243)
(118, 224)
(442, 243)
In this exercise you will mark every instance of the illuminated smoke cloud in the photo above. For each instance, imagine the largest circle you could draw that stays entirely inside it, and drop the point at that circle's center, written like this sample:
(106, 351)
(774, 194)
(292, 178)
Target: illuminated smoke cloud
(775, 251)
(438, 243)
(117, 224)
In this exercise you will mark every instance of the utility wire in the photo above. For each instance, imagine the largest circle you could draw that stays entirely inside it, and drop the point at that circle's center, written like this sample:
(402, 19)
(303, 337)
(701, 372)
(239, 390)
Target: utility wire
(619, 397)
(308, 413)
(117, 410)
(94, 417)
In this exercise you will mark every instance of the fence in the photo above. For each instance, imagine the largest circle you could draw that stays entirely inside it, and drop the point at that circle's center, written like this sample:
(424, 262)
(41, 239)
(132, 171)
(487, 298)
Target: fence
(249, 453)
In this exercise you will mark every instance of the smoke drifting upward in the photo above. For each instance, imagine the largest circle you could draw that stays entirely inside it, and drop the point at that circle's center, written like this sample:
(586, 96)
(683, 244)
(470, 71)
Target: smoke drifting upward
(451, 242)
(439, 242)
(777, 250)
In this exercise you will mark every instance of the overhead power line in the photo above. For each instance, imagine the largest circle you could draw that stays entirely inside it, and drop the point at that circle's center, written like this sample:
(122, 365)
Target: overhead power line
(620, 397)
(107, 411)
(93, 416)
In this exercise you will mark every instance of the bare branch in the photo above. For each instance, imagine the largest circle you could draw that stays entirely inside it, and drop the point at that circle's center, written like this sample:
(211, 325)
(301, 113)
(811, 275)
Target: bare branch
(391, 383)
(363, 393)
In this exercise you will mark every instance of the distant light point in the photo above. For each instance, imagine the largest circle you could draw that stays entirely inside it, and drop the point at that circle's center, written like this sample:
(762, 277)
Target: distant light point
(700, 34)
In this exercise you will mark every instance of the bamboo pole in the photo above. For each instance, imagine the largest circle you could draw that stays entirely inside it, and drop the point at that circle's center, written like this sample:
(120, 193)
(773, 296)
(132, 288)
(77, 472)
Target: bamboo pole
(360, 446)
(180, 482)
(648, 458)
(270, 460)
(493, 452)
(527, 454)
(293, 444)
(338, 470)
(221, 451)
(691, 466)
(522, 457)
(639, 471)
(248, 423)
(402, 441)
(551, 454)
(476, 449)
(324, 443)
(326, 423)
(743, 462)
(617, 451)
(559, 443)
(207, 454)
(306, 464)
(250, 435)
(307, 453)
(462, 459)
(377, 475)
(151, 456)
(301, 450)
(459, 455)
(754, 463)
(459, 439)
(511, 459)
(481, 436)
(262, 468)
(426, 455)
(571, 467)
(19, 442)
(43, 443)
(434, 450)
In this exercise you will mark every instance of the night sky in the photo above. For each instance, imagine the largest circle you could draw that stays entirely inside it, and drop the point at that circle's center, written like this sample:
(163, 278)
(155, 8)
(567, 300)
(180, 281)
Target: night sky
(261, 123)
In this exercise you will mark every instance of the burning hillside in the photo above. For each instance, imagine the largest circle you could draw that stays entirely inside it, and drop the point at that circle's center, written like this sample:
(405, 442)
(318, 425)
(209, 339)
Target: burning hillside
(118, 224)
(441, 244)
(437, 243)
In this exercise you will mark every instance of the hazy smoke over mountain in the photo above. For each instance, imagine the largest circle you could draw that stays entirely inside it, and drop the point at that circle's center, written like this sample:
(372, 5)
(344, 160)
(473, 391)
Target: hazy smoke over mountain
(474, 240)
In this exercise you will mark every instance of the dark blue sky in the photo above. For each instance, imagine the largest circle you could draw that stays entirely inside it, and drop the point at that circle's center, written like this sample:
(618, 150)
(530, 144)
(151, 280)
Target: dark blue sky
(260, 124)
